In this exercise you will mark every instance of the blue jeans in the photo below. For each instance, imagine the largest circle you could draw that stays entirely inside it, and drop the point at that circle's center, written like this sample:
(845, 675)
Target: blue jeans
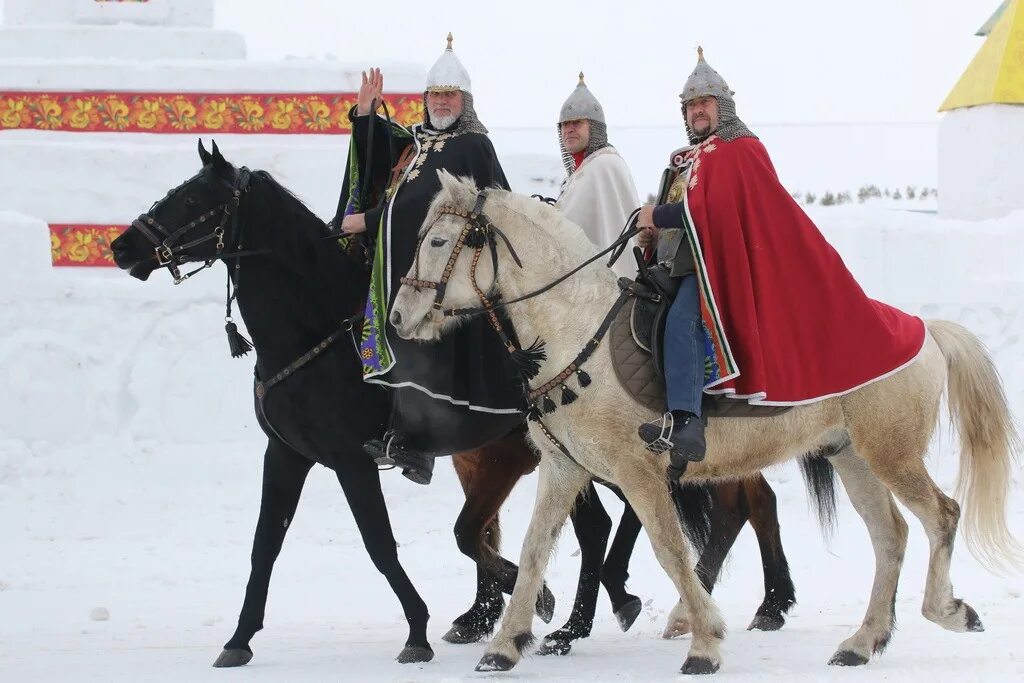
(684, 349)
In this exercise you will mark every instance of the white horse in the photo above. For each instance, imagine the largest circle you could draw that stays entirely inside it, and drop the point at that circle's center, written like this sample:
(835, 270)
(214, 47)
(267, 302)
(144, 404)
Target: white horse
(886, 425)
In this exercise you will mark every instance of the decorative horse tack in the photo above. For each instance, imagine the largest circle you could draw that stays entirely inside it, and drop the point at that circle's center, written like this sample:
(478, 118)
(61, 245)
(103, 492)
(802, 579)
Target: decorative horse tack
(479, 231)
(168, 253)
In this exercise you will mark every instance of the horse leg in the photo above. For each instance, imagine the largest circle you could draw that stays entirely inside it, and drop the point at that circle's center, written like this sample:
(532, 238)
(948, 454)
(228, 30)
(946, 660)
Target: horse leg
(284, 473)
(487, 478)
(615, 570)
(908, 479)
(729, 512)
(360, 481)
(888, 531)
(561, 480)
(779, 592)
(645, 487)
(593, 526)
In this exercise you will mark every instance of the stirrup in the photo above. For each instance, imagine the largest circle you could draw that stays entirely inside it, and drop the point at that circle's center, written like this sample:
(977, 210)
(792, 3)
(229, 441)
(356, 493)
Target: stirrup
(381, 451)
(663, 442)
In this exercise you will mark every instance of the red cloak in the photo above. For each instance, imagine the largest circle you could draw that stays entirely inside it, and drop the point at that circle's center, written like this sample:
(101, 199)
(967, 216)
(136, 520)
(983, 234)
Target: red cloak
(777, 298)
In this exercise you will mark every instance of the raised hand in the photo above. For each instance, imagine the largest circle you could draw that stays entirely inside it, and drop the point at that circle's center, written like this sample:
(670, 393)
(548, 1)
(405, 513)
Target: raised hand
(370, 92)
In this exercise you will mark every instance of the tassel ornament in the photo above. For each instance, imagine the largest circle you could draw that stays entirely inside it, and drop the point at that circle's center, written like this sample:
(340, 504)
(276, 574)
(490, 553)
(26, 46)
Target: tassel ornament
(528, 360)
(238, 344)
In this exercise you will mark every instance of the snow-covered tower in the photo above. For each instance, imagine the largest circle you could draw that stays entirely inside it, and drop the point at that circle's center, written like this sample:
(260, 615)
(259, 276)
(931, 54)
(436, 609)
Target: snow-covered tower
(981, 137)
(101, 103)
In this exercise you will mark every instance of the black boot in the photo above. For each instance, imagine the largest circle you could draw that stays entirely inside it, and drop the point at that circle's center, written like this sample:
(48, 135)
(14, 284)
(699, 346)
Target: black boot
(679, 432)
(417, 466)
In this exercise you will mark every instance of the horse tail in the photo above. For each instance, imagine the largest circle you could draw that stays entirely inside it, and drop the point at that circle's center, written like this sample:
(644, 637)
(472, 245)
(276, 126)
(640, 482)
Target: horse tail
(820, 481)
(694, 505)
(988, 444)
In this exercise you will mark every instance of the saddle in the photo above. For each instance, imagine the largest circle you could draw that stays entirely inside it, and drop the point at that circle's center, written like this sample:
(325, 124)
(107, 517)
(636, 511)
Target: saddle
(637, 339)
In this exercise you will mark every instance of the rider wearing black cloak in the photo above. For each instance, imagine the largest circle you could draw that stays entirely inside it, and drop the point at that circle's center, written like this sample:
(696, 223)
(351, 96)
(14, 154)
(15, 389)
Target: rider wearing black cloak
(459, 392)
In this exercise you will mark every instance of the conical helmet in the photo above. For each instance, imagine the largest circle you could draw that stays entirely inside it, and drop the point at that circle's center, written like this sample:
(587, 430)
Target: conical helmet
(448, 73)
(705, 81)
(581, 105)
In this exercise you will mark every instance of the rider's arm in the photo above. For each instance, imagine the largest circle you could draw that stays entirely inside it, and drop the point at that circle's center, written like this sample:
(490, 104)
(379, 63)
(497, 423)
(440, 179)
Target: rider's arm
(669, 215)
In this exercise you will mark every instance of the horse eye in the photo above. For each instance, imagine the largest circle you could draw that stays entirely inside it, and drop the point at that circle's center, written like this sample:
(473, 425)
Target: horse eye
(438, 242)
(190, 202)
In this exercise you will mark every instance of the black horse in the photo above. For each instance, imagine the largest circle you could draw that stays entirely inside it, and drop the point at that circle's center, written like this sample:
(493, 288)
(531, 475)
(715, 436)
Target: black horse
(298, 294)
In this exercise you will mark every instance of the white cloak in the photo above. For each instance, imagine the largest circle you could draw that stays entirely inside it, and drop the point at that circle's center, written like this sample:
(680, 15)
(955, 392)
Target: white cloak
(599, 197)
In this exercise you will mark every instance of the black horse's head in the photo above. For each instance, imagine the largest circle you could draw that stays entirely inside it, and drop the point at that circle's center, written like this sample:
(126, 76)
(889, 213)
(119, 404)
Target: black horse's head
(192, 224)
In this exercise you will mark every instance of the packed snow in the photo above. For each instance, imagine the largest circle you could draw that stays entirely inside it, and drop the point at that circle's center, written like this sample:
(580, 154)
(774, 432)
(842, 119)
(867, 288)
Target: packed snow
(129, 487)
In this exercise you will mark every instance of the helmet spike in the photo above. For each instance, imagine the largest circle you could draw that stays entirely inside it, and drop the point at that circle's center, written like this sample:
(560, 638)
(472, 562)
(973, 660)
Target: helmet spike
(581, 79)
(700, 52)
(450, 39)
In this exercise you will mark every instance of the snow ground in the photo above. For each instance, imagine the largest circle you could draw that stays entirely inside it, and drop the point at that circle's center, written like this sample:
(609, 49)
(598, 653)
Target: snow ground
(129, 487)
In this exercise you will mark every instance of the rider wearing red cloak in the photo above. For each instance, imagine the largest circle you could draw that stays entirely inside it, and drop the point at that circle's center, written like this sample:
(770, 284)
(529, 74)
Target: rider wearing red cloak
(779, 318)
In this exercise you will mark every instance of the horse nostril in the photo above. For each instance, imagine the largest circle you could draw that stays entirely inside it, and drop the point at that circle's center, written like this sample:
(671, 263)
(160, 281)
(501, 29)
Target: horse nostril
(396, 318)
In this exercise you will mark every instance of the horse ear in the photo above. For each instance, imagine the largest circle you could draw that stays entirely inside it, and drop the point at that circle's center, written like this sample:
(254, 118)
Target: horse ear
(219, 162)
(204, 156)
(449, 184)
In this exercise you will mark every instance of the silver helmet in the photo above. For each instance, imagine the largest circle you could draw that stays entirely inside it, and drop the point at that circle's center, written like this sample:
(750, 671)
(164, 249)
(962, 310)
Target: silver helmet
(706, 82)
(582, 104)
(447, 75)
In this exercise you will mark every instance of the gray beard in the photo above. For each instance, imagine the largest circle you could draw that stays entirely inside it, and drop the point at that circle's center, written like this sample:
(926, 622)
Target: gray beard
(442, 122)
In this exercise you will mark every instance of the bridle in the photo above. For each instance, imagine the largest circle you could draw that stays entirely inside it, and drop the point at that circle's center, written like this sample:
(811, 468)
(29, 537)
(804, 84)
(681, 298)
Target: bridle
(478, 232)
(170, 254)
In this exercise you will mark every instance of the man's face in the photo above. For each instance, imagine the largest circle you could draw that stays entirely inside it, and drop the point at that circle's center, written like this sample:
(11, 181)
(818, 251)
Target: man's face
(575, 135)
(702, 115)
(444, 107)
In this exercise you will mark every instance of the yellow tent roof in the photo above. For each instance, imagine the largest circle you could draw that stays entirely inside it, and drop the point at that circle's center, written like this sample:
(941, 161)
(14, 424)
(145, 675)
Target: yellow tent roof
(996, 74)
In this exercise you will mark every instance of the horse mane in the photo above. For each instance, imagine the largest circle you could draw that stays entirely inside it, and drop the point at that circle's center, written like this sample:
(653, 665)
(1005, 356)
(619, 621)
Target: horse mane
(293, 205)
(300, 238)
(460, 193)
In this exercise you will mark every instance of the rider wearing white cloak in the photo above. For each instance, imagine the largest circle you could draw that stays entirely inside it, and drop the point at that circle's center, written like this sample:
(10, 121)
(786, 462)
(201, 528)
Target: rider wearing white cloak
(598, 193)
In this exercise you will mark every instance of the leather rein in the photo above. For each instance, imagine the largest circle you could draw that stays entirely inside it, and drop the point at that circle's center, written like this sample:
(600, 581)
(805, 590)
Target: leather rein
(478, 232)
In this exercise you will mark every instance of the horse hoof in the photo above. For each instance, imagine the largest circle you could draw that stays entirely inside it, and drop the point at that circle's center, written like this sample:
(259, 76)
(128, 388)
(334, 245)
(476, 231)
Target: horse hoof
(766, 622)
(545, 608)
(847, 658)
(698, 666)
(414, 654)
(974, 624)
(555, 646)
(462, 635)
(230, 658)
(495, 663)
(679, 628)
(628, 613)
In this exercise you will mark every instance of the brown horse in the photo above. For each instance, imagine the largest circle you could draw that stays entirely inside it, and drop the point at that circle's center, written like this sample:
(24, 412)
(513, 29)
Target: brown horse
(713, 517)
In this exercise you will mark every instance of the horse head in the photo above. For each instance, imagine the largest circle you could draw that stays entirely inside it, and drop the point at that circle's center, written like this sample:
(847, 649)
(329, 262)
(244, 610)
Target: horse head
(449, 277)
(193, 223)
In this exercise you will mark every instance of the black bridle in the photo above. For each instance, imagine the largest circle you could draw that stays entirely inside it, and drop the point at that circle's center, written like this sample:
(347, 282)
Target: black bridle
(170, 254)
